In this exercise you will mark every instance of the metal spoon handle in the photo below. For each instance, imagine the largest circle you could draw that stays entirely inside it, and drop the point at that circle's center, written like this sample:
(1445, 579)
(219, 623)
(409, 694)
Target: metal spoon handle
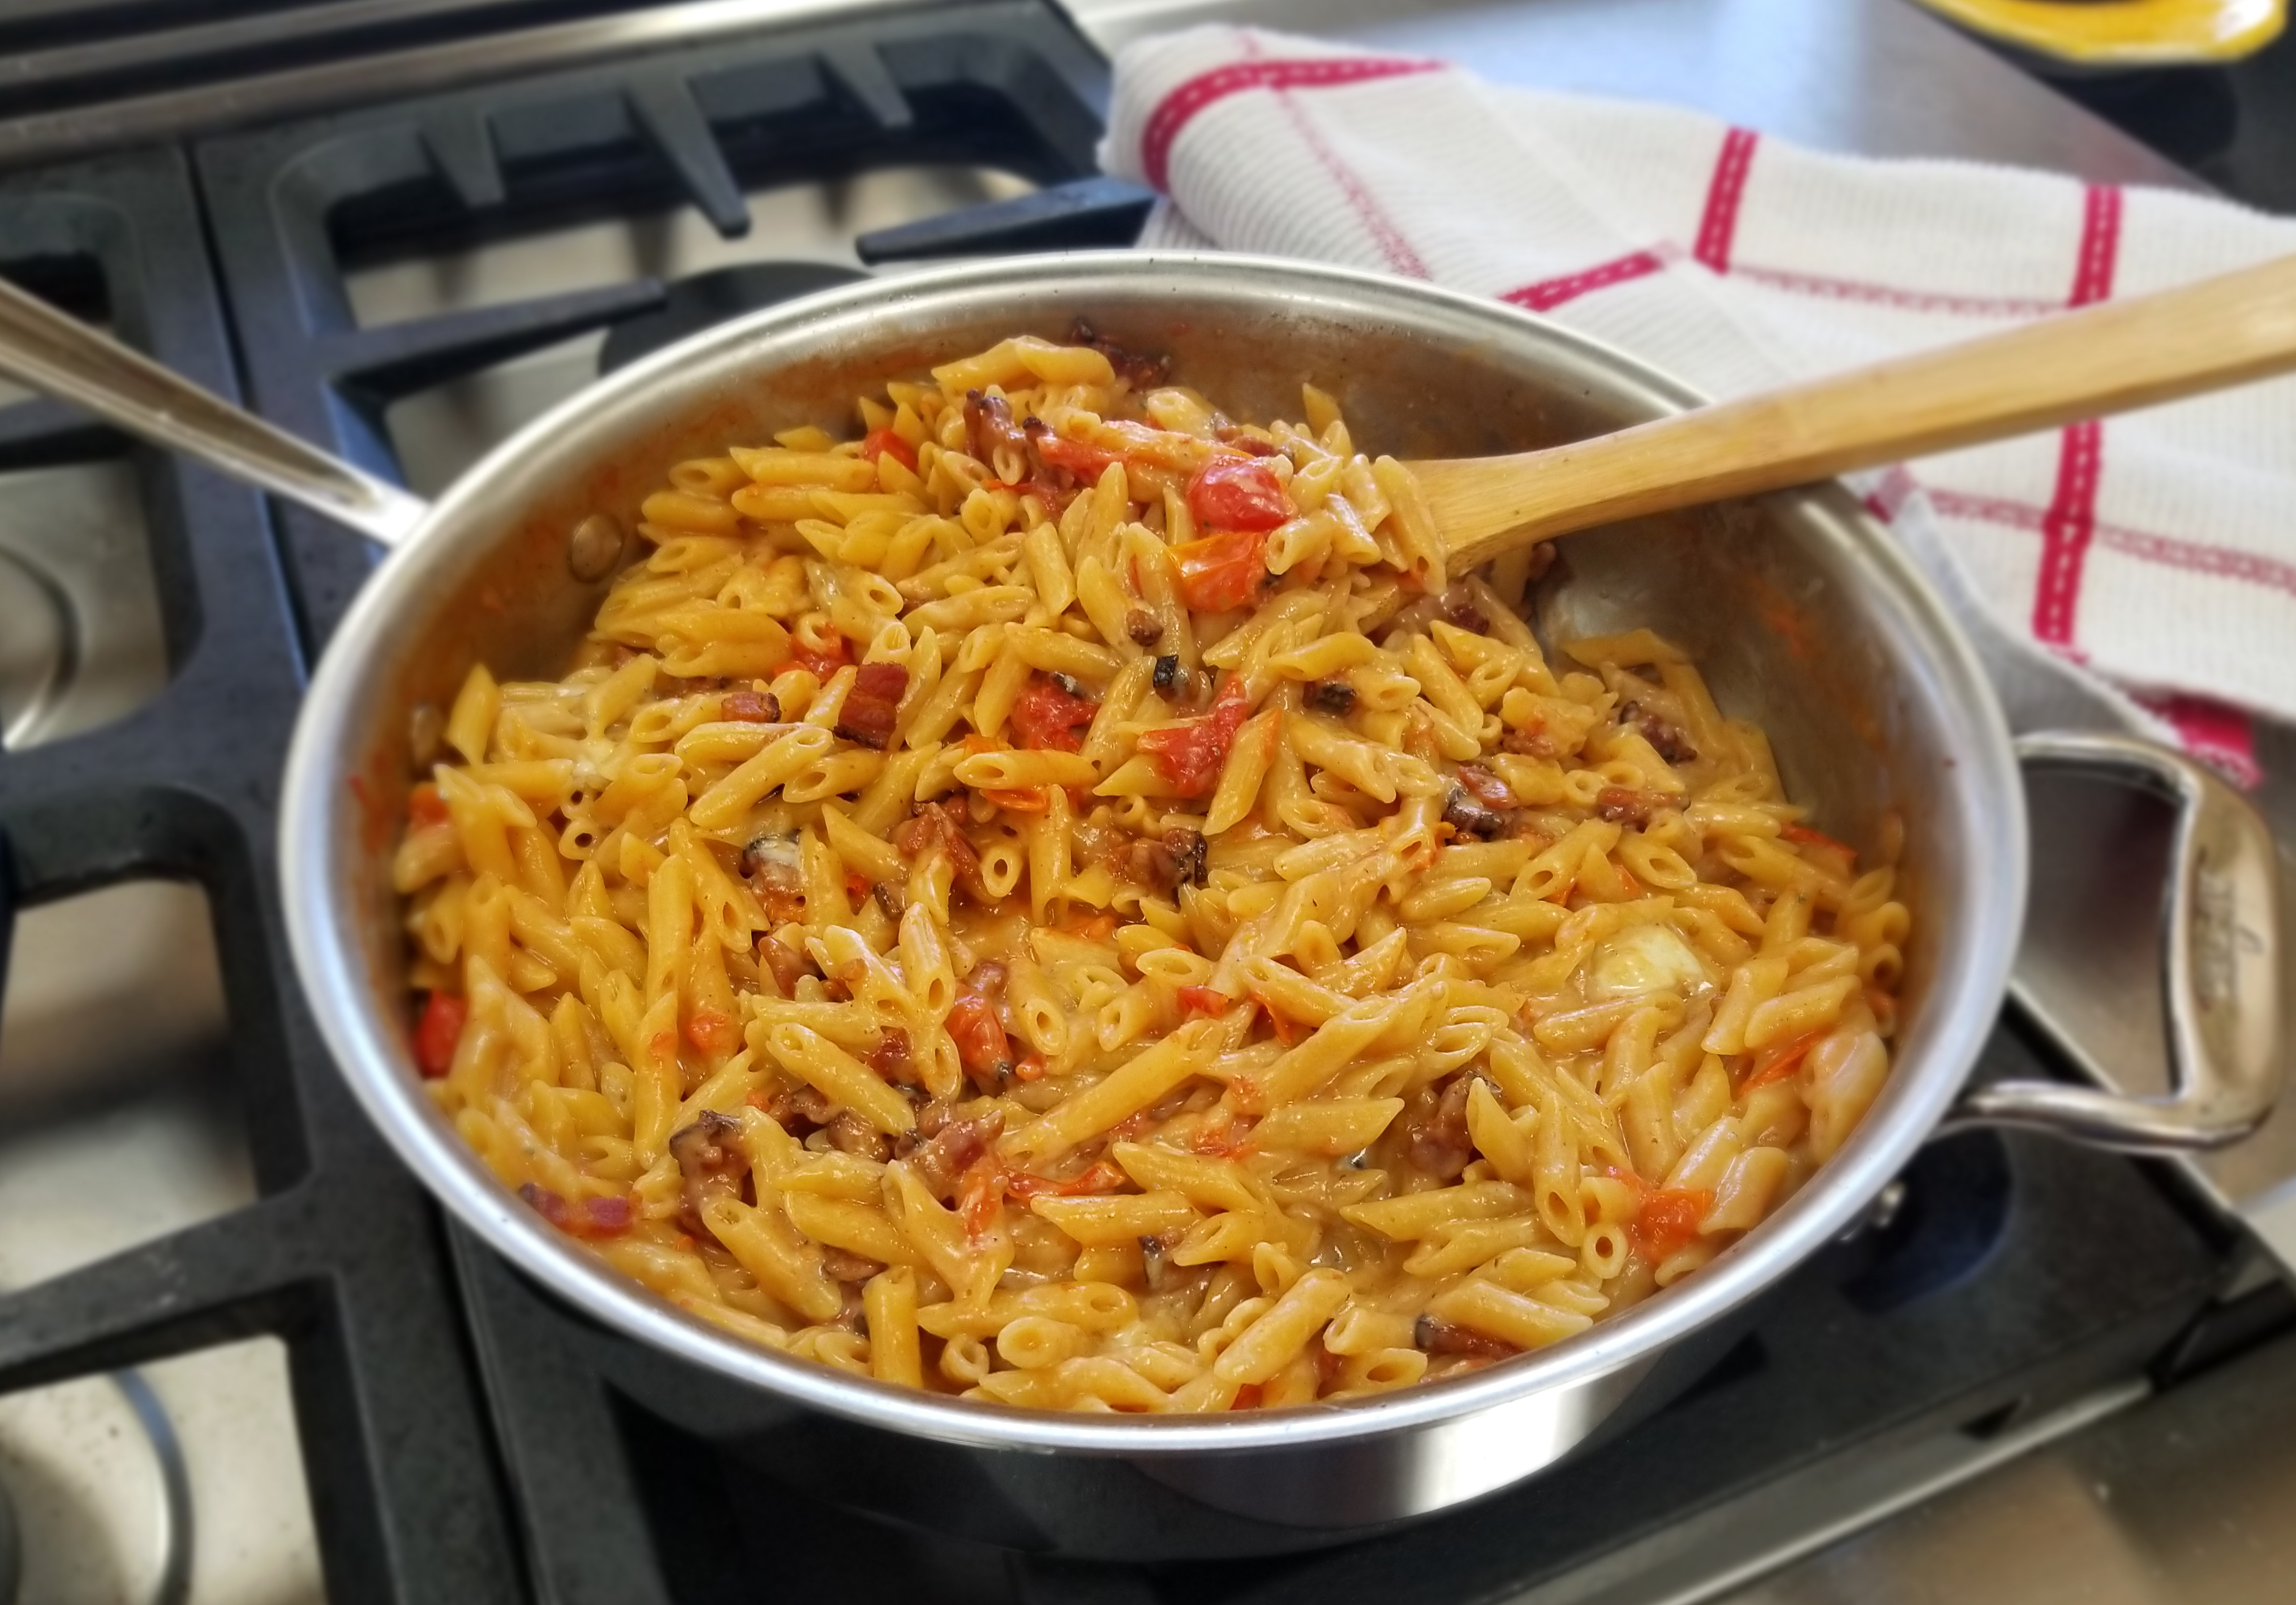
(64, 357)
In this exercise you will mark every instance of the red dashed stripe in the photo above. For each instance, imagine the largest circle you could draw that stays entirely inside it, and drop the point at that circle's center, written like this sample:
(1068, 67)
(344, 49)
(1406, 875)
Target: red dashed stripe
(2066, 531)
(2072, 521)
(1393, 246)
(2100, 246)
(1823, 288)
(1178, 109)
(1547, 294)
(2218, 562)
(2219, 736)
(1725, 192)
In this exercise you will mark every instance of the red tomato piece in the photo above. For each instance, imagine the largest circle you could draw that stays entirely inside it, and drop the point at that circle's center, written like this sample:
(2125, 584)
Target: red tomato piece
(425, 806)
(978, 1034)
(1203, 1000)
(712, 1032)
(1247, 1396)
(1776, 1064)
(1100, 1177)
(1045, 715)
(825, 662)
(438, 1030)
(1023, 799)
(1238, 493)
(1223, 571)
(877, 443)
(1088, 462)
(1190, 754)
(1669, 1218)
(1819, 841)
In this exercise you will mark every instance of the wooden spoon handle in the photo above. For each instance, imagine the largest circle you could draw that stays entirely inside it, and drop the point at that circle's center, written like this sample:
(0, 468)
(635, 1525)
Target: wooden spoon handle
(2102, 359)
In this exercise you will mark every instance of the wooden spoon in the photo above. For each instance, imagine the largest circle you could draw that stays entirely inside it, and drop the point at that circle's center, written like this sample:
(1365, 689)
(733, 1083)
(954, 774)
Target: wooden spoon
(2108, 358)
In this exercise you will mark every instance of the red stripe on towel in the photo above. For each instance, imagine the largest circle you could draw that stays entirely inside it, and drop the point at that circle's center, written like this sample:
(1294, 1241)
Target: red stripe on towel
(1178, 109)
(1725, 192)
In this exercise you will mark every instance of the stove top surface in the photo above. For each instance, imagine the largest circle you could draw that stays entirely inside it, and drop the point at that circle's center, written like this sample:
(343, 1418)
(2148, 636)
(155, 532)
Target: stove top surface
(338, 1393)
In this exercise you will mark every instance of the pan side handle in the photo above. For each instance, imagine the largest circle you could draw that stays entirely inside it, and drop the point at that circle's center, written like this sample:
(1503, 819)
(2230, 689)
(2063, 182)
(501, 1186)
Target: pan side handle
(2221, 969)
(61, 356)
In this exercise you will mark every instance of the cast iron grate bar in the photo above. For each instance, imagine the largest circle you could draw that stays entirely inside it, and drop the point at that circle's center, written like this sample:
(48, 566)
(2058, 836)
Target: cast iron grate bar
(998, 83)
(340, 1257)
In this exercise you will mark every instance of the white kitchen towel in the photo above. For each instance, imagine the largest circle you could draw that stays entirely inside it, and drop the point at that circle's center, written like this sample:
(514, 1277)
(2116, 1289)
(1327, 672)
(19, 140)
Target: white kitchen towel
(2153, 553)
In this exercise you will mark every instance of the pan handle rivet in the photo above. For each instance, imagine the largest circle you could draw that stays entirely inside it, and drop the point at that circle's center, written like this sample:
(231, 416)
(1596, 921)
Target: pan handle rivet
(594, 547)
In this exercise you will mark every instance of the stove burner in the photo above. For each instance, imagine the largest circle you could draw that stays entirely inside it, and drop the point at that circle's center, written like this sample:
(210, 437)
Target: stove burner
(35, 650)
(691, 305)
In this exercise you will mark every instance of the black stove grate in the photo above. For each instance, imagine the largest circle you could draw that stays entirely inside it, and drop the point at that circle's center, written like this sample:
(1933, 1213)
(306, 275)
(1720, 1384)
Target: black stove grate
(1008, 84)
(340, 1256)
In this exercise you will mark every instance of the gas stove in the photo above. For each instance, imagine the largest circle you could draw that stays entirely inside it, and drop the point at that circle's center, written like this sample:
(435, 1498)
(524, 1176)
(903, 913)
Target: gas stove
(241, 1355)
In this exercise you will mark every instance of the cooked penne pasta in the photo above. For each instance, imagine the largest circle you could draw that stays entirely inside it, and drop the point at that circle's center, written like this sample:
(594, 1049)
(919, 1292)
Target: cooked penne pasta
(1063, 902)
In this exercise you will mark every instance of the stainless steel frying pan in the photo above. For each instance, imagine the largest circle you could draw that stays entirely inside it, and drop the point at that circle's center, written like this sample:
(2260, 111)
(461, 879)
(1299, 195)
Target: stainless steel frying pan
(1804, 614)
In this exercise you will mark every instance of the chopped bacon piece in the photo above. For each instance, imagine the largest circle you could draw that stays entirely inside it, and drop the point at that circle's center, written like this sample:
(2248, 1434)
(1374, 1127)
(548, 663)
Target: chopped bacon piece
(1244, 438)
(710, 1157)
(842, 1264)
(878, 443)
(1047, 716)
(1333, 697)
(988, 425)
(439, 1030)
(1439, 1144)
(1533, 743)
(981, 1041)
(785, 964)
(1459, 608)
(822, 664)
(799, 1110)
(1190, 754)
(1488, 788)
(867, 716)
(1666, 738)
(751, 707)
(1629, 805)
(1469, 817)
(1176, 860)
(425, 806)
(1440, 1337)
(850, 1134)
(1140, 371)
(1143, 628)
(1222, 571)
(1238, 493)
(931, 824)
(890, 1057)
(593, 1217)
(1669, 1218)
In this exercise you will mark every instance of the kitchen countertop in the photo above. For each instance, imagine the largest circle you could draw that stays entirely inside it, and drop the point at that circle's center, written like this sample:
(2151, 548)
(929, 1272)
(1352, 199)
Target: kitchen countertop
(2175, 1499)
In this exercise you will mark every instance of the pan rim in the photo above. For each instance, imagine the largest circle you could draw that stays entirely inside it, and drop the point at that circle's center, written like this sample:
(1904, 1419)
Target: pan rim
(315, 811)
